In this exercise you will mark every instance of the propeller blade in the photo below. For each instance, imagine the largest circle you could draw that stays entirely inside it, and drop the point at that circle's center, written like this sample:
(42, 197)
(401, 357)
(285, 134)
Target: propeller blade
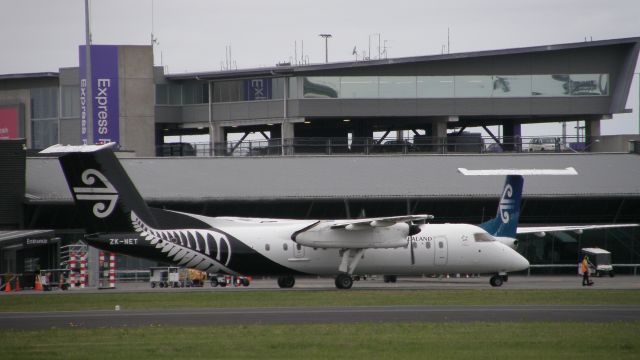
(413, 259)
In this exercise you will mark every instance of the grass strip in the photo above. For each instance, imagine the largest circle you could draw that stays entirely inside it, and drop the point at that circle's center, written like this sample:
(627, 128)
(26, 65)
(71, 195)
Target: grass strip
(353, 341)
(220, 299)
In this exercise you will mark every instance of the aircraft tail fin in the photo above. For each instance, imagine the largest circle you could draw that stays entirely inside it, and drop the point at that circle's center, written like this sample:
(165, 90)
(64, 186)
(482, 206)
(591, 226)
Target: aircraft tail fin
(505, 224)
(101, 188)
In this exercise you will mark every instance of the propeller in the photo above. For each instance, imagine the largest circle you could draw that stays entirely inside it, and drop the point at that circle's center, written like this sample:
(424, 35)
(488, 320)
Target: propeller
(413, 230)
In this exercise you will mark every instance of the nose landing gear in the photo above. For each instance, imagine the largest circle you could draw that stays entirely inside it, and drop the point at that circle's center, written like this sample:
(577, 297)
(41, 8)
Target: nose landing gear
(498, 280)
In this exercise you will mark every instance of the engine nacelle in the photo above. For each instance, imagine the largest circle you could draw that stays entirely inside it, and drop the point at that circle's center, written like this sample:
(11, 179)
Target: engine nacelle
(510, 242)
(370, 238)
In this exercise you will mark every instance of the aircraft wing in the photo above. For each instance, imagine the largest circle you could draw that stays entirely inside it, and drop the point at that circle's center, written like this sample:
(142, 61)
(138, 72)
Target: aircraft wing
(576, 228)
(361, 224)
(382, 232)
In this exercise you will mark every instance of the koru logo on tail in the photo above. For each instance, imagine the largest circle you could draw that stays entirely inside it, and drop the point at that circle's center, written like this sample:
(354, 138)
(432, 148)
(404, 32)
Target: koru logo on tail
(104, 194)
(506, 203)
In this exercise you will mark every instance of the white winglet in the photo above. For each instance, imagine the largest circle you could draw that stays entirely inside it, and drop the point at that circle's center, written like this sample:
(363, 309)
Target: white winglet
(482, 172)
(60, 149)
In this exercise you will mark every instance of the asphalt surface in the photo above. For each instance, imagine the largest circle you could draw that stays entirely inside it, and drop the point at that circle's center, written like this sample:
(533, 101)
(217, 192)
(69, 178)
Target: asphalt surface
(317, 315)
(313, 315)
(621, 282)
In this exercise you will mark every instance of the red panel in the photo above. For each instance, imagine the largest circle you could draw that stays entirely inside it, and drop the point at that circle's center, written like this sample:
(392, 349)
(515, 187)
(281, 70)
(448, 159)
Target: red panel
(8, 123)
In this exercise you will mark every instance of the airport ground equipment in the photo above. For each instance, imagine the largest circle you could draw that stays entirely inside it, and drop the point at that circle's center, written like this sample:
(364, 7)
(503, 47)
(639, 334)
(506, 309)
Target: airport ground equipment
(107, 272)
(601, 260)
(164, 276)
(52, 278)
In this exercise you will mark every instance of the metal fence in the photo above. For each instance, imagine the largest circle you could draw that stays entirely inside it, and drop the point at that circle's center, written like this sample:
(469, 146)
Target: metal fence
(418, 144)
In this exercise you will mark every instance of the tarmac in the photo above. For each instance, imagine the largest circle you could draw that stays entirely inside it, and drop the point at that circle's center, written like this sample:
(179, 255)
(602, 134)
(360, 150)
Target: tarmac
(341, 314)
(521, 282)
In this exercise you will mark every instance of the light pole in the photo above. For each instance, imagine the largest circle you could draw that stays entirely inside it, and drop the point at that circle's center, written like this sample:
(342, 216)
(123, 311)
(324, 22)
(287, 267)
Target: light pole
(326, 46)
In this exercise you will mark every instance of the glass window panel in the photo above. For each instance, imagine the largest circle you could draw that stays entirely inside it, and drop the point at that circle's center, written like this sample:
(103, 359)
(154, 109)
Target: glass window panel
(589, 84)
(473, 86)
(321, 87)
(162, 94)
(277, 88)
(353, 87)
(293, 87)
(398, 87)
(511, 85)
(195, 93)
(228, 91)
(44, 133)
(175, 94)
(44, 103)
(70, 101)
(435, 86)
(550, 85)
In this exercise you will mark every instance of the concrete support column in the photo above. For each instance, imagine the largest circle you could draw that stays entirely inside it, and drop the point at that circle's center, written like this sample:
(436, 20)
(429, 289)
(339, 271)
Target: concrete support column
(591, 134)
(512, 136)
(439, 132)
(216, 133)
(287, 137)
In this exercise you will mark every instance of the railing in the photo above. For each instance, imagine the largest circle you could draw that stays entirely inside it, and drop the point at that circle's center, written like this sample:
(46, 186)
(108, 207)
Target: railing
(418, 144)
(575, 266)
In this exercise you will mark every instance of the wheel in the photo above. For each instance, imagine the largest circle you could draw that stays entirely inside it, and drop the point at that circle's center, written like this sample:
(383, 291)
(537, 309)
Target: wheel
(214, 282)
(611, 274)
(153, 285)
(390, 278)
(286, 282)
(496, 281)
(344, 281)
(161, 284)
(245, 282)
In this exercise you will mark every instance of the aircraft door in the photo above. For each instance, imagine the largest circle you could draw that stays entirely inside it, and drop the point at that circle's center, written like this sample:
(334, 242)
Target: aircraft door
(441, 249)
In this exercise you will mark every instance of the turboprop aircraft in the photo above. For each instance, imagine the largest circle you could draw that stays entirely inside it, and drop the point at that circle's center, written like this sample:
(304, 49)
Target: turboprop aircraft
(117, 219)
(505, 226)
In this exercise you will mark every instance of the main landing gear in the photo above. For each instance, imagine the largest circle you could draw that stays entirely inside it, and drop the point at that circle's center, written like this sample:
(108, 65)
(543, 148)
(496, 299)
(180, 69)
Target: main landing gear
(286, 282)
(498, 280)
(344, 281)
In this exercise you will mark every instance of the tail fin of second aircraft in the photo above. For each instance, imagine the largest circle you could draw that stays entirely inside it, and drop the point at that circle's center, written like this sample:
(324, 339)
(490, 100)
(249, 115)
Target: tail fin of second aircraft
(505, 224)
(101, 188)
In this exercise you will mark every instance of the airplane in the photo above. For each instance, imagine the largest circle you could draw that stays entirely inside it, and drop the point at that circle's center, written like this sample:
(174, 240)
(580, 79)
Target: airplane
(506, 231)
(117, 219)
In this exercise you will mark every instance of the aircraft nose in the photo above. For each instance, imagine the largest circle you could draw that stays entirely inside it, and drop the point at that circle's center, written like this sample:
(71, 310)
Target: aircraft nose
(519, 262)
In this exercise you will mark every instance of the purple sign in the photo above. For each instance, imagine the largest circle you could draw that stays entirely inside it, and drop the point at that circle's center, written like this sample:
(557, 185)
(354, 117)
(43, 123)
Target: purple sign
(104, 85)
(257, 89)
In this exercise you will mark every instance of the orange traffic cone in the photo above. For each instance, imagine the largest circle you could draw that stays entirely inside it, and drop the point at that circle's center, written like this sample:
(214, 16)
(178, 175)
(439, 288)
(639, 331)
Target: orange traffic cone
(38, 286)
(7, 287)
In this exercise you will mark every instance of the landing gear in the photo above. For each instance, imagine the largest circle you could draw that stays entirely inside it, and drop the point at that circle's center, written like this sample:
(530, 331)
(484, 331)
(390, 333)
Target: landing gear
(498, 280)
(286, 282)
(390, 278)
(344, 281)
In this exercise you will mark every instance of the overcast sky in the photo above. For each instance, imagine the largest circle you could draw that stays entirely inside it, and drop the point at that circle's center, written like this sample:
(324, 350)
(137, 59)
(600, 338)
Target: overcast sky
(43, 35)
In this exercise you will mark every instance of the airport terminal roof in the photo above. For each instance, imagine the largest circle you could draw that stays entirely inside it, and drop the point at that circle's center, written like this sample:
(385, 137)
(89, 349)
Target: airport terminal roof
(199, 179)
(288, 69)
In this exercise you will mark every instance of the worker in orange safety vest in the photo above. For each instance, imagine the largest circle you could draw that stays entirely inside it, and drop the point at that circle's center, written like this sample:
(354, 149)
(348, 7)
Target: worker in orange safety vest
(584, 269)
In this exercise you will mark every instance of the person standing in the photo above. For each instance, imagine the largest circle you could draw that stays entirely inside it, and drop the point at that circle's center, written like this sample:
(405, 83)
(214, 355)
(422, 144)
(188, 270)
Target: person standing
(584, 268)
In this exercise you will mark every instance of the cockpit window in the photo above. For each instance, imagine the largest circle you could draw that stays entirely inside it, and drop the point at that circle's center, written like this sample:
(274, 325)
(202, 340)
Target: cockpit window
(483, 237)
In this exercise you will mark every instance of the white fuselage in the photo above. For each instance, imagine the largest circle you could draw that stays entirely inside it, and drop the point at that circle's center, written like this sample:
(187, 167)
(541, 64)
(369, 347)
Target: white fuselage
(437, 249)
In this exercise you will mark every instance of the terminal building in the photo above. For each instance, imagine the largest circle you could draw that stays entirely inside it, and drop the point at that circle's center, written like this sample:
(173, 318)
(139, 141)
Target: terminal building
(307, 114)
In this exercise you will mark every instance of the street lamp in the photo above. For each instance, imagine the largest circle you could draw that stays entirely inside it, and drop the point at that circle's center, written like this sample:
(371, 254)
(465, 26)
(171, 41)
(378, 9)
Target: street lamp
(326, 46)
